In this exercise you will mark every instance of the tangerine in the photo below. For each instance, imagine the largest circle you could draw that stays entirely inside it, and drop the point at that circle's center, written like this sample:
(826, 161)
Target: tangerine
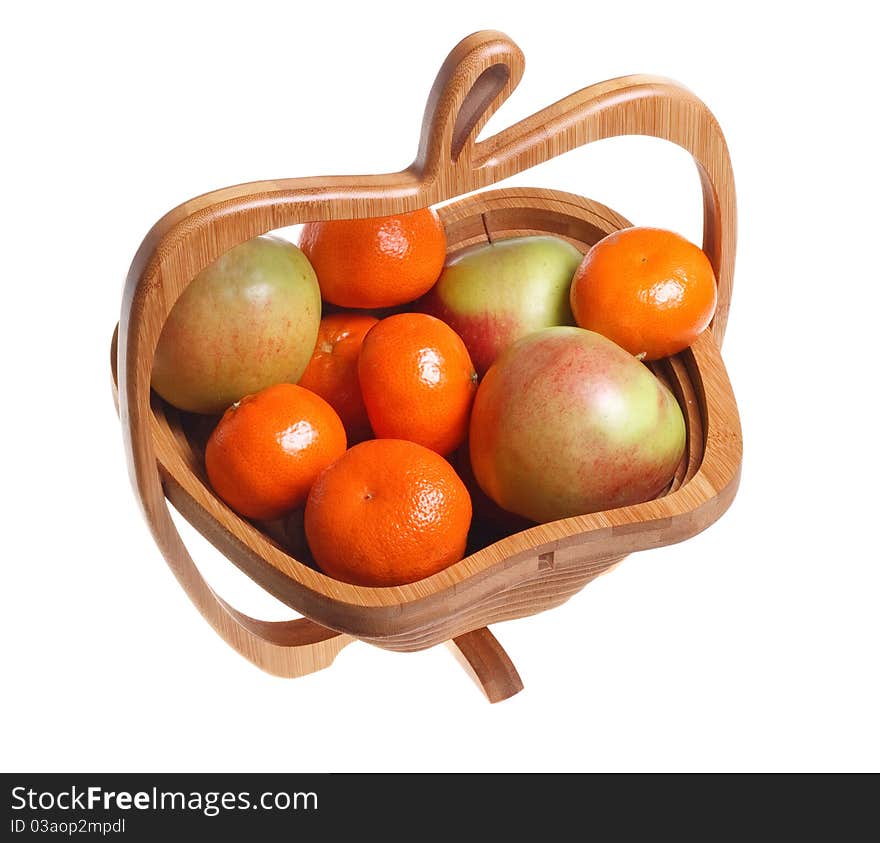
(649, 290)
(417, 381)
(377, 261)
(333, 372)
(268, 449)
(387, 512)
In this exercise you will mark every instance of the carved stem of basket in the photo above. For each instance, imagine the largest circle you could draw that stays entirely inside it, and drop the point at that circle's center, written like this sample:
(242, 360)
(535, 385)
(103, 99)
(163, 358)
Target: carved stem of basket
(483, 70)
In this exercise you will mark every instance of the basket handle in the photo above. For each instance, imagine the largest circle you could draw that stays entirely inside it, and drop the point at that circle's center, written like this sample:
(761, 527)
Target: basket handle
(283, 648)
(484, 69)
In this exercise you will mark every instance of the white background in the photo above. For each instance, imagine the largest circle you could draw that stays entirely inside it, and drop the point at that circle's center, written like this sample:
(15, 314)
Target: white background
(753, 646)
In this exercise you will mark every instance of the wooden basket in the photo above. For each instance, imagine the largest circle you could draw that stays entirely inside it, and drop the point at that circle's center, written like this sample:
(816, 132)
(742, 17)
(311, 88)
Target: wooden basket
(517, 575)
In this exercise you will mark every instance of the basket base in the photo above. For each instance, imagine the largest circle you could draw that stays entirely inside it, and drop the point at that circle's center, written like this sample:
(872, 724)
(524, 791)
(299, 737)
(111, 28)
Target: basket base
(314, 647)
(485, 660)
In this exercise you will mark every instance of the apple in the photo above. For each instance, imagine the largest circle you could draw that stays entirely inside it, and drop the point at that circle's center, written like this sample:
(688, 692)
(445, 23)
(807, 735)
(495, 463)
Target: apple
(247, 321)
(566, 423)
(494, 293)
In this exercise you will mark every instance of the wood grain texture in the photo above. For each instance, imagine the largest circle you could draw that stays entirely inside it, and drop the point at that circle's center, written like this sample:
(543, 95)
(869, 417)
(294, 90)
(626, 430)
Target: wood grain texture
(489, 666)
(520, 574)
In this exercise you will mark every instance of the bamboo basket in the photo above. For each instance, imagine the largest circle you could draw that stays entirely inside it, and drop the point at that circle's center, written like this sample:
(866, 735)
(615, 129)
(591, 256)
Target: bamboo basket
(516, 575)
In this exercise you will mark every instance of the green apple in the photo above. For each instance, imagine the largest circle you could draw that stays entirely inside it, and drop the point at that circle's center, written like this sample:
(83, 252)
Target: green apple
(495, 293)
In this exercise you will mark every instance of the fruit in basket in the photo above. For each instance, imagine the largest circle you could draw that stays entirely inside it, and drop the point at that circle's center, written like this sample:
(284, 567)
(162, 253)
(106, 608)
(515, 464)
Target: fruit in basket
(377, 261)
(495, 293)
(417, 381)
(245, 322)
(387, 512)
(268, 449)
(649, 290)
(333, 370)
(566, 423)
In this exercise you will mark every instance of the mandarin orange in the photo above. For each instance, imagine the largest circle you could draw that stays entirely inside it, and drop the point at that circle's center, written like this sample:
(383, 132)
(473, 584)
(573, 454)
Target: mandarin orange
(387, 512)
(268, 448)
(332, 372)
(377, 261)
(418, 381)
(649, 290)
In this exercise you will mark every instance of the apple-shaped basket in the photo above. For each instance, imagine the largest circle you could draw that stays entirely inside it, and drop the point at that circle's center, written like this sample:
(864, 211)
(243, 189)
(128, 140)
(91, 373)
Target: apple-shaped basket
(519, 574)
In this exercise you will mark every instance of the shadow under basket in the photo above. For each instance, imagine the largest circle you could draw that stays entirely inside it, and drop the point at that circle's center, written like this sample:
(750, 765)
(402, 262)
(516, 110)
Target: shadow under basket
(511, 577)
